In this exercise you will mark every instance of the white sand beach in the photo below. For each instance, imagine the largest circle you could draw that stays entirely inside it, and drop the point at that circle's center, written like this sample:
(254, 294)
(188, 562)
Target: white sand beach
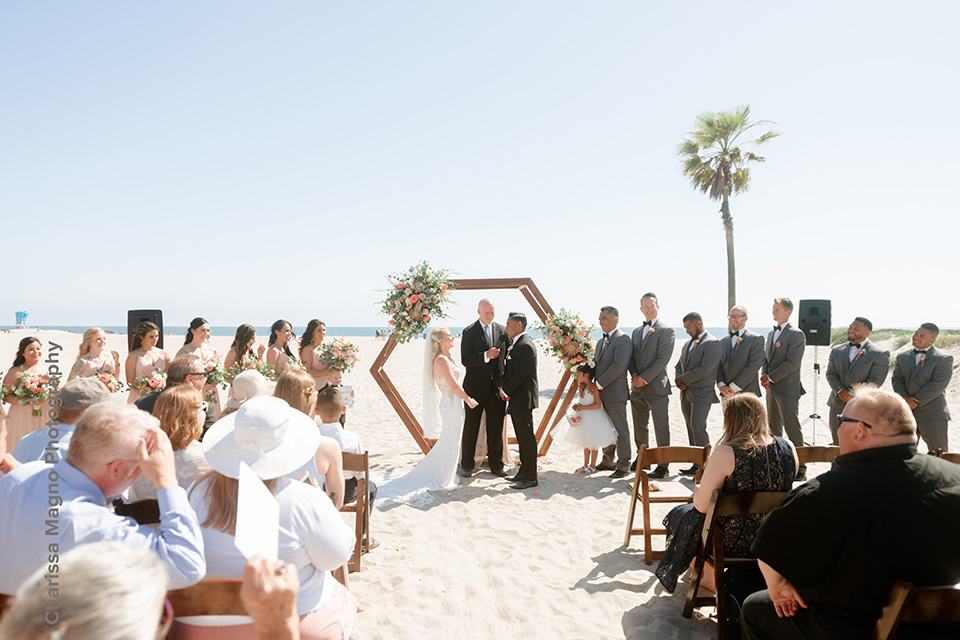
(486, 561)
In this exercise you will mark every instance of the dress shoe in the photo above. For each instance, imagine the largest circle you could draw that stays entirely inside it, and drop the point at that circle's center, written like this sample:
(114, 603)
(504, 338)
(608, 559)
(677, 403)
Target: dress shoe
(692, 471)
(464, 473)
(660, 472)
(603, 466)
(524, 484)
(500, 473)
(619, 473)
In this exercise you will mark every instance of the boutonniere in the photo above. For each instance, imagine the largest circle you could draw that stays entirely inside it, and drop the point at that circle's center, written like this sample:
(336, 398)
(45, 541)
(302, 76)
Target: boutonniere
(606, 341)
(651, 331)
(696, 341)
(859, 353)
(777, 345)
(923, 358)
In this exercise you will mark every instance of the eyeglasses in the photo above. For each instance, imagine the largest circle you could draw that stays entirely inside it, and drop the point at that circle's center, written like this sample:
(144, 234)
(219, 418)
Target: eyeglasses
(844, 418)
(731, 317)
(197, 373)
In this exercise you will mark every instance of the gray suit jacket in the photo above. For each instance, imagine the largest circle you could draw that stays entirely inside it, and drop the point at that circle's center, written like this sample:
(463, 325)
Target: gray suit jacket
(782, 365)
(869, 366)
(650, 357)
(740, 365)
(926, 382)
(612, 363)
(697, 368)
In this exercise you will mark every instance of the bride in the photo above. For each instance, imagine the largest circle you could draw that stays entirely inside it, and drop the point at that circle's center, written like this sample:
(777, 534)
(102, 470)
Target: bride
(438, 470)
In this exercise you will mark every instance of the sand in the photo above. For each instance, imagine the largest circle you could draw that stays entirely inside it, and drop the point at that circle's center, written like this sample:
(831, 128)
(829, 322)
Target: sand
(486, 561)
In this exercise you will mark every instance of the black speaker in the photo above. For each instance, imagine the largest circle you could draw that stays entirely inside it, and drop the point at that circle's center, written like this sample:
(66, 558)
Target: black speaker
(814, 321)
(136, 316)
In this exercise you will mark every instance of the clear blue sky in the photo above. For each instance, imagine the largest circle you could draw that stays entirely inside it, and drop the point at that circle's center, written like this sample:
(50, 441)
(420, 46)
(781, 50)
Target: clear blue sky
(248, 160)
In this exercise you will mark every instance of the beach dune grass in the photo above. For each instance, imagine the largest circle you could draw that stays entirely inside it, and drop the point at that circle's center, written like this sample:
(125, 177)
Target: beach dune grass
(948, 337)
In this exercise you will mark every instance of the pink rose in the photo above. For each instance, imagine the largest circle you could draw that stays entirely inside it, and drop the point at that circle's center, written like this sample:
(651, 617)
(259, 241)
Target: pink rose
(414, 298)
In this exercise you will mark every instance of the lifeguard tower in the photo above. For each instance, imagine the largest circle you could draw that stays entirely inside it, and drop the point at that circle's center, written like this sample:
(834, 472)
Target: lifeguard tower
(22, 319)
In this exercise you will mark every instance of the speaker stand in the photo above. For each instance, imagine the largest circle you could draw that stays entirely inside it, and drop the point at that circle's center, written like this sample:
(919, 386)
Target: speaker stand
(814, 417)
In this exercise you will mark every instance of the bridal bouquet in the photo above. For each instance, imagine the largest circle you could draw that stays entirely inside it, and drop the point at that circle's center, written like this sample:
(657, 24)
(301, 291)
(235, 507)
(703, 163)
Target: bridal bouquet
(253, 364)
(144, 386)
(339, 354)
(416, 296)
(568, 338)
(32, 389)
(109, 380)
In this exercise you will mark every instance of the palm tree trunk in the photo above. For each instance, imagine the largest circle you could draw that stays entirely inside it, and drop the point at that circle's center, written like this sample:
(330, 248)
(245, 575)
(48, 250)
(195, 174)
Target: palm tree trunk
(731, 266)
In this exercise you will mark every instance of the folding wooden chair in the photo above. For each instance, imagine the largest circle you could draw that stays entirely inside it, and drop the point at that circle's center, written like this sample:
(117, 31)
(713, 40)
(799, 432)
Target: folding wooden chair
(359, 462)
(907, 603)
(208, 598)
(951, 457)
(806, 455)
(711, 544)
(640, 492)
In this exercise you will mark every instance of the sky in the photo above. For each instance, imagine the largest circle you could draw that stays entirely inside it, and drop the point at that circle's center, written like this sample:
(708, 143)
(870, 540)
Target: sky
(247, 161)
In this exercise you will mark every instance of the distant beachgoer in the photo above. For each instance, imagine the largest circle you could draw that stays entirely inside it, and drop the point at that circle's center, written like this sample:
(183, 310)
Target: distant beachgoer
(94, 358)
(310, 341)
(144, 357)
(20, 418)
(197, 344)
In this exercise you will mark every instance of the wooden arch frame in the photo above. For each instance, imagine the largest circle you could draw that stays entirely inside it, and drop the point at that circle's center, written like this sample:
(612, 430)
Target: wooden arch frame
(540, 306)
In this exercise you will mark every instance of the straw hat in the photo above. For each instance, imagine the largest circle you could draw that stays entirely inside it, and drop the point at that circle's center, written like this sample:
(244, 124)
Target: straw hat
(248, 384)
(267, 434)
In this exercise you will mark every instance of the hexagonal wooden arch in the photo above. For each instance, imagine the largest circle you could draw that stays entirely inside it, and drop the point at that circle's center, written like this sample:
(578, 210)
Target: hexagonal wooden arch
(540, 307)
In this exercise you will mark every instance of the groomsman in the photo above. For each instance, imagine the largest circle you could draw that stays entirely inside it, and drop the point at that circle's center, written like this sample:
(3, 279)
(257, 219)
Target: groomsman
(741, 356)
(855, 362)
(781, 376)
(696, 375)
(921, 376)
(611, 359)
(650, 384)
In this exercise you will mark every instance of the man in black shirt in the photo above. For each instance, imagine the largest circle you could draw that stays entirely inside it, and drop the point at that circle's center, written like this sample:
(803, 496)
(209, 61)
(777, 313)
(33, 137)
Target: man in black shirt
(833, 549)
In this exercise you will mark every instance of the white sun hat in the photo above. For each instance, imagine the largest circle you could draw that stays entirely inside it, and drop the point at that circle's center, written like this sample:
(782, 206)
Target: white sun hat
(249, 384)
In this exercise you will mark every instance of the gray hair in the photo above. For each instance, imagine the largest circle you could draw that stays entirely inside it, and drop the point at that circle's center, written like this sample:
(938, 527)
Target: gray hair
(108, 431)
(116, 599)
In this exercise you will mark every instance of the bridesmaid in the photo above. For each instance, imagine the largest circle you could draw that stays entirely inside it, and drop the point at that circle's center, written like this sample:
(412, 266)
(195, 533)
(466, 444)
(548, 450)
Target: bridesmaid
(93, 356)
(311, 339)
(279, 352)
(197, 344)
(241, 350)
(20, 418)
(144, 357)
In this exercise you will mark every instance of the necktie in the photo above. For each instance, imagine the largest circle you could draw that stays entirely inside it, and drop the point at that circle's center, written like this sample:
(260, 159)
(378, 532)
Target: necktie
(489, 332)
(854, 345)
(735, 333)
(777, 327)
(606, 336)
(923, 351)
(648, 323)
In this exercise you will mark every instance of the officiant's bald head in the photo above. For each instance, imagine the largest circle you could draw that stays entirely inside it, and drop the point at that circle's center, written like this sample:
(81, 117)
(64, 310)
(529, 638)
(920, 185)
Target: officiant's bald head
(486, 311)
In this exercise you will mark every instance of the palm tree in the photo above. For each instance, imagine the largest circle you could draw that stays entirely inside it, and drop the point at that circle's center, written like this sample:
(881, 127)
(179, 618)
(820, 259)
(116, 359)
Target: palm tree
(715, 166)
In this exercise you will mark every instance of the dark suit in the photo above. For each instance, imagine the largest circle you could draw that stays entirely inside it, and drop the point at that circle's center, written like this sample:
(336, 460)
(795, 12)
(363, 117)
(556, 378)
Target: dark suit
(697, 369)
(782, 367)
(927, 382)
(869, 365)
(740, 363)
(612, 358)
(648, 360)
(520, 385)
(481, 381)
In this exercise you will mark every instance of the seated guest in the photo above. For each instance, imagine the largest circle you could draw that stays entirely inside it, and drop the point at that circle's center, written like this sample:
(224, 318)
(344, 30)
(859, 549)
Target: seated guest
(246, 385)
(296, 388)
(111, 445)
(183, 370)
(273, 440)
(335, 380)
(329, 409)
(73, 398)
(747, 458)
(833, 549)
(181, 415)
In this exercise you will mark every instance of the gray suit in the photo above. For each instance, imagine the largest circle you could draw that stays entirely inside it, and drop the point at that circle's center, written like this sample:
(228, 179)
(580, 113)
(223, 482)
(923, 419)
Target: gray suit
(782, 367)
(611, 360)
(870, 365)
(648, 359)
(697, 368)
(740, 363)
(927, 382)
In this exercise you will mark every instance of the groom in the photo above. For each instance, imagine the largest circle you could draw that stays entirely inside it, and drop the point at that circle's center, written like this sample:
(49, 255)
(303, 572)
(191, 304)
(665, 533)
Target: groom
(481, 355)
(519, 387)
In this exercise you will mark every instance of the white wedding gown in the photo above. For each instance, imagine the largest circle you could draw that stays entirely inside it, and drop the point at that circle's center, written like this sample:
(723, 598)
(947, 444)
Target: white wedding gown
(438, 470)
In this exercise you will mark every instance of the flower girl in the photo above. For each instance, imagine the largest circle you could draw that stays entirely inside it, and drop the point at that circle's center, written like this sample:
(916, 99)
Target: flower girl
(587, 424)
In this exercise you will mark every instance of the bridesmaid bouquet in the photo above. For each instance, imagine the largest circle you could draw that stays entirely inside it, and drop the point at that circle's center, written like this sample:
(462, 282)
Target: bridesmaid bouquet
(266, 370)
(109, 381)
(293, 363)
(416, 295)
(32, 389)
(339, 354)
(144, 386)
(215, 373)
(568, 338)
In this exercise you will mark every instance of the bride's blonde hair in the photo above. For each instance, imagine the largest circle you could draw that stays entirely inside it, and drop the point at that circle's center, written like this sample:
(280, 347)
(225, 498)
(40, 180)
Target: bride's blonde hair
(435, 336)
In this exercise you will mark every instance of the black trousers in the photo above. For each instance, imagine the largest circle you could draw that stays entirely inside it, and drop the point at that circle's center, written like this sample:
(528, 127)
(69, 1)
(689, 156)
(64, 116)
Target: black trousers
(494, 407)
(760, 621)
(523, 426)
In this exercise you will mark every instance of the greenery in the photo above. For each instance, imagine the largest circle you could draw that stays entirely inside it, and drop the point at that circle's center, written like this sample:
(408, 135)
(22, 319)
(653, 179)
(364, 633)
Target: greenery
(416, 296)
(947, 338)
(717, 166)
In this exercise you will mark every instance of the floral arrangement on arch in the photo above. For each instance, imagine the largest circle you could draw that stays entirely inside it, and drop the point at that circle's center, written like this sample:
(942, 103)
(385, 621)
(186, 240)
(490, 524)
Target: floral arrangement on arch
(416, 296)
(32, 389)
(339, 354)
(145, 385)
(253, 364)
(568, 338)
(109, 380)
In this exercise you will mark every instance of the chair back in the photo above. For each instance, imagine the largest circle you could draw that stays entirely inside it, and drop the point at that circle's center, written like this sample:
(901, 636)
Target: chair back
(951, 457)
(907, 603)
(359, 462)
(665, 455)
(208, 598)
(806, 455)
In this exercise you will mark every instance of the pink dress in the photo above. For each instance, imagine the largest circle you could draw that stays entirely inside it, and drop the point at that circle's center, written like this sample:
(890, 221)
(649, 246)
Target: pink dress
(314, 363)
(21, 421)
(144, 369)
(109, 363)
